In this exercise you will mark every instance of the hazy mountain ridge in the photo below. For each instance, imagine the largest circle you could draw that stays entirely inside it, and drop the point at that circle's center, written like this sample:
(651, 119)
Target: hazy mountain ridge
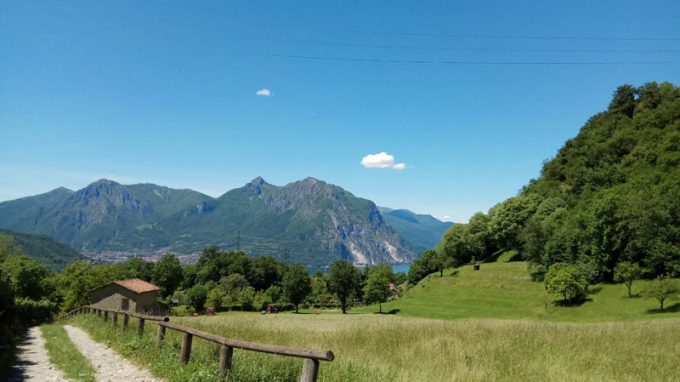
(309, 221)
(419, 230)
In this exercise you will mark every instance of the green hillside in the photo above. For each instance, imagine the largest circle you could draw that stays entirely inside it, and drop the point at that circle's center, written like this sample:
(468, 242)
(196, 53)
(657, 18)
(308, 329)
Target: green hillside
(611, 194)
(506, 291)
(41, 249)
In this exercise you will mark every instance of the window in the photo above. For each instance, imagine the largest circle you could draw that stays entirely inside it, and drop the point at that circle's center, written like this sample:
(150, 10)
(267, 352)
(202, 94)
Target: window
(125, 304)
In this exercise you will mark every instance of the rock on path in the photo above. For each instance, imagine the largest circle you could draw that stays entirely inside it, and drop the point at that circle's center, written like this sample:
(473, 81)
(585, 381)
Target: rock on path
(110, 367)
(32, 362)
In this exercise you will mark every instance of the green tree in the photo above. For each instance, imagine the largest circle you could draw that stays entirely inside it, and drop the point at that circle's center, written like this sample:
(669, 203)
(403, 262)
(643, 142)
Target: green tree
(138, 268)
(197, 296)
(167, 274)
(78, 278)
(662, 289)
(344, 278)
(626, 272)
(417, 271)
(262, 299)
(565, 280)
(320, 296)
(508, 218)
(274, 292)
(28, 277)
(266, 271)
(436, 261)
(296, 284)
(6, 296)
(377, 285)
(7, 247)
(215, 298)
(623, 100)
(246, 298)
(462, 242)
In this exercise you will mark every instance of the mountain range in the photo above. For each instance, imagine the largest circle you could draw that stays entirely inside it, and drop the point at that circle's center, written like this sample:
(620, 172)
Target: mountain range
(309, 221)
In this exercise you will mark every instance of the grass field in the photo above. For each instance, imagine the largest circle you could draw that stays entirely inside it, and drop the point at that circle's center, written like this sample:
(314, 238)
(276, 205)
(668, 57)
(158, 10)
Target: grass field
(392, 348)
(65, 356)
(505, 290)
(608, 338)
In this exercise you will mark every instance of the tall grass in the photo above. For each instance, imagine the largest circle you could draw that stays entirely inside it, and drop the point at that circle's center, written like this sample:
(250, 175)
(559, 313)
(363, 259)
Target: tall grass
(393, 348)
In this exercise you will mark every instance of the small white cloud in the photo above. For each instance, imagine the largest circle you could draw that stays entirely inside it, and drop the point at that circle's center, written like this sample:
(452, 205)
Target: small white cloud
(264, 93)
(381, 160)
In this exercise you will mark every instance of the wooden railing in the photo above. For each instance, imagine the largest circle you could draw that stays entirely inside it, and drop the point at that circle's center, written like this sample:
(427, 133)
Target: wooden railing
(310, 366)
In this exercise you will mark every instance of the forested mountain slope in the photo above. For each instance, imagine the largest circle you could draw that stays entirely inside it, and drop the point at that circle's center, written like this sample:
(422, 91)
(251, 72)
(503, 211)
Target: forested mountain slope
(309, 221)
(39, 248)
(611, 194)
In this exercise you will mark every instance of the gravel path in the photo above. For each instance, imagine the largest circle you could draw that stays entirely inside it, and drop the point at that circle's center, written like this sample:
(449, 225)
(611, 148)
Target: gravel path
(110, 366)
(32, 362)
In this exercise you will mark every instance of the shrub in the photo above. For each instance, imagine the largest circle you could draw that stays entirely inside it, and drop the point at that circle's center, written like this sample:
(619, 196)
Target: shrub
(567, 281)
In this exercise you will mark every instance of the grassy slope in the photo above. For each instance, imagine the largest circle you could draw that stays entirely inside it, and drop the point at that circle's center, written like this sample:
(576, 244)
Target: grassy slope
(65, 356)
(504, 290)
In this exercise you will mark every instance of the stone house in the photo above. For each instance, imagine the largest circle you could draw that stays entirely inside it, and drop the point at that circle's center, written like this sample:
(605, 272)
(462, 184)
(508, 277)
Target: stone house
(132, 295)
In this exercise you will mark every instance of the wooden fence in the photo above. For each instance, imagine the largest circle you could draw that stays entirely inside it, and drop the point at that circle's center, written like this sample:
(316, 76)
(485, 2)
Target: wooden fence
(310, 366)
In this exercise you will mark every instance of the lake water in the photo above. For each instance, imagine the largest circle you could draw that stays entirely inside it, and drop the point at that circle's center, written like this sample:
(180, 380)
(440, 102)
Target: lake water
(396, 268)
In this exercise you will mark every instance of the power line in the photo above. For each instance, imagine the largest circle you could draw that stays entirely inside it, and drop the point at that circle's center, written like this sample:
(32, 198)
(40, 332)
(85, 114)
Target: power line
(415, 47)
(478, 36)
(463, 62)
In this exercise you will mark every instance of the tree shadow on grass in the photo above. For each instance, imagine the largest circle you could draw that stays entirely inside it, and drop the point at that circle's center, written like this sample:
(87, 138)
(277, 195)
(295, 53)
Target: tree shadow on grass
(594, 290)
(668, 309)
(572, 303)
(391, 311)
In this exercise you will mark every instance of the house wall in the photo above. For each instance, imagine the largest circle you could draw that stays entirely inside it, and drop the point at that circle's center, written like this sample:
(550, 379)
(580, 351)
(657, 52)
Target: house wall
(111, 297)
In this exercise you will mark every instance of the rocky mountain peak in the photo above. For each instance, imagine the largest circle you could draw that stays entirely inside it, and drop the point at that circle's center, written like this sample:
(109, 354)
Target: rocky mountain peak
(256, 185)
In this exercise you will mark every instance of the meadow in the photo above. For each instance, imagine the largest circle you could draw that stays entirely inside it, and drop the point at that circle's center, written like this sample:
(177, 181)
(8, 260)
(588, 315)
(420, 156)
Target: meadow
(506, 329)
(505, 290)
(393, 348)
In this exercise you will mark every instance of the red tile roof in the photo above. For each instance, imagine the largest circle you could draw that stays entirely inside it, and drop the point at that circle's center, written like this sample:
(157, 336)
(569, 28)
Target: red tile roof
(137, 285)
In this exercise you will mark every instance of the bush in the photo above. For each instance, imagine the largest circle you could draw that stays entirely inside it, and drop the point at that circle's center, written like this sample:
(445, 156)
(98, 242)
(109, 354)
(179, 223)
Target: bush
(197, 296)
(35, 312)
(567, 281)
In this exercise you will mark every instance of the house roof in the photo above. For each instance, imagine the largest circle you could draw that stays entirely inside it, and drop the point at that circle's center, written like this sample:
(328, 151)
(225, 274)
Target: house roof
(135, 285)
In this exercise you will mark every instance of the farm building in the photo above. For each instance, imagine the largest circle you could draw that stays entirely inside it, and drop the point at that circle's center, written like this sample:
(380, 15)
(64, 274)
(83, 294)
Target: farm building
(132, 295)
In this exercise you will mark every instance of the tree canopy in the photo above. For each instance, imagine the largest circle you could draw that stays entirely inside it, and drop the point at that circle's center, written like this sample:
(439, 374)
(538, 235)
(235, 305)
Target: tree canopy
(343, 281)
(611, 194)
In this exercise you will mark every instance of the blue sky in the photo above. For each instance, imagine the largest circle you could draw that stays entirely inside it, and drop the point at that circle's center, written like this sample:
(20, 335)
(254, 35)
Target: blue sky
(165, 92)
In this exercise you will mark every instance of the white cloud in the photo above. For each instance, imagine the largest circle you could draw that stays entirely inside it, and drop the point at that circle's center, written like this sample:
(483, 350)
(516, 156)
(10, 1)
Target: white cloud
(381, 160)
(264, 93)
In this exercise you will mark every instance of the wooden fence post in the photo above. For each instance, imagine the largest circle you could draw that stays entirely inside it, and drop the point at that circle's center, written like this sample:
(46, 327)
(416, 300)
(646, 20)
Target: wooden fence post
(126, 320)
(186, 348)
(226, 354)
(114, 319)
(310, 370)
(161, 334)
(140, 326)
